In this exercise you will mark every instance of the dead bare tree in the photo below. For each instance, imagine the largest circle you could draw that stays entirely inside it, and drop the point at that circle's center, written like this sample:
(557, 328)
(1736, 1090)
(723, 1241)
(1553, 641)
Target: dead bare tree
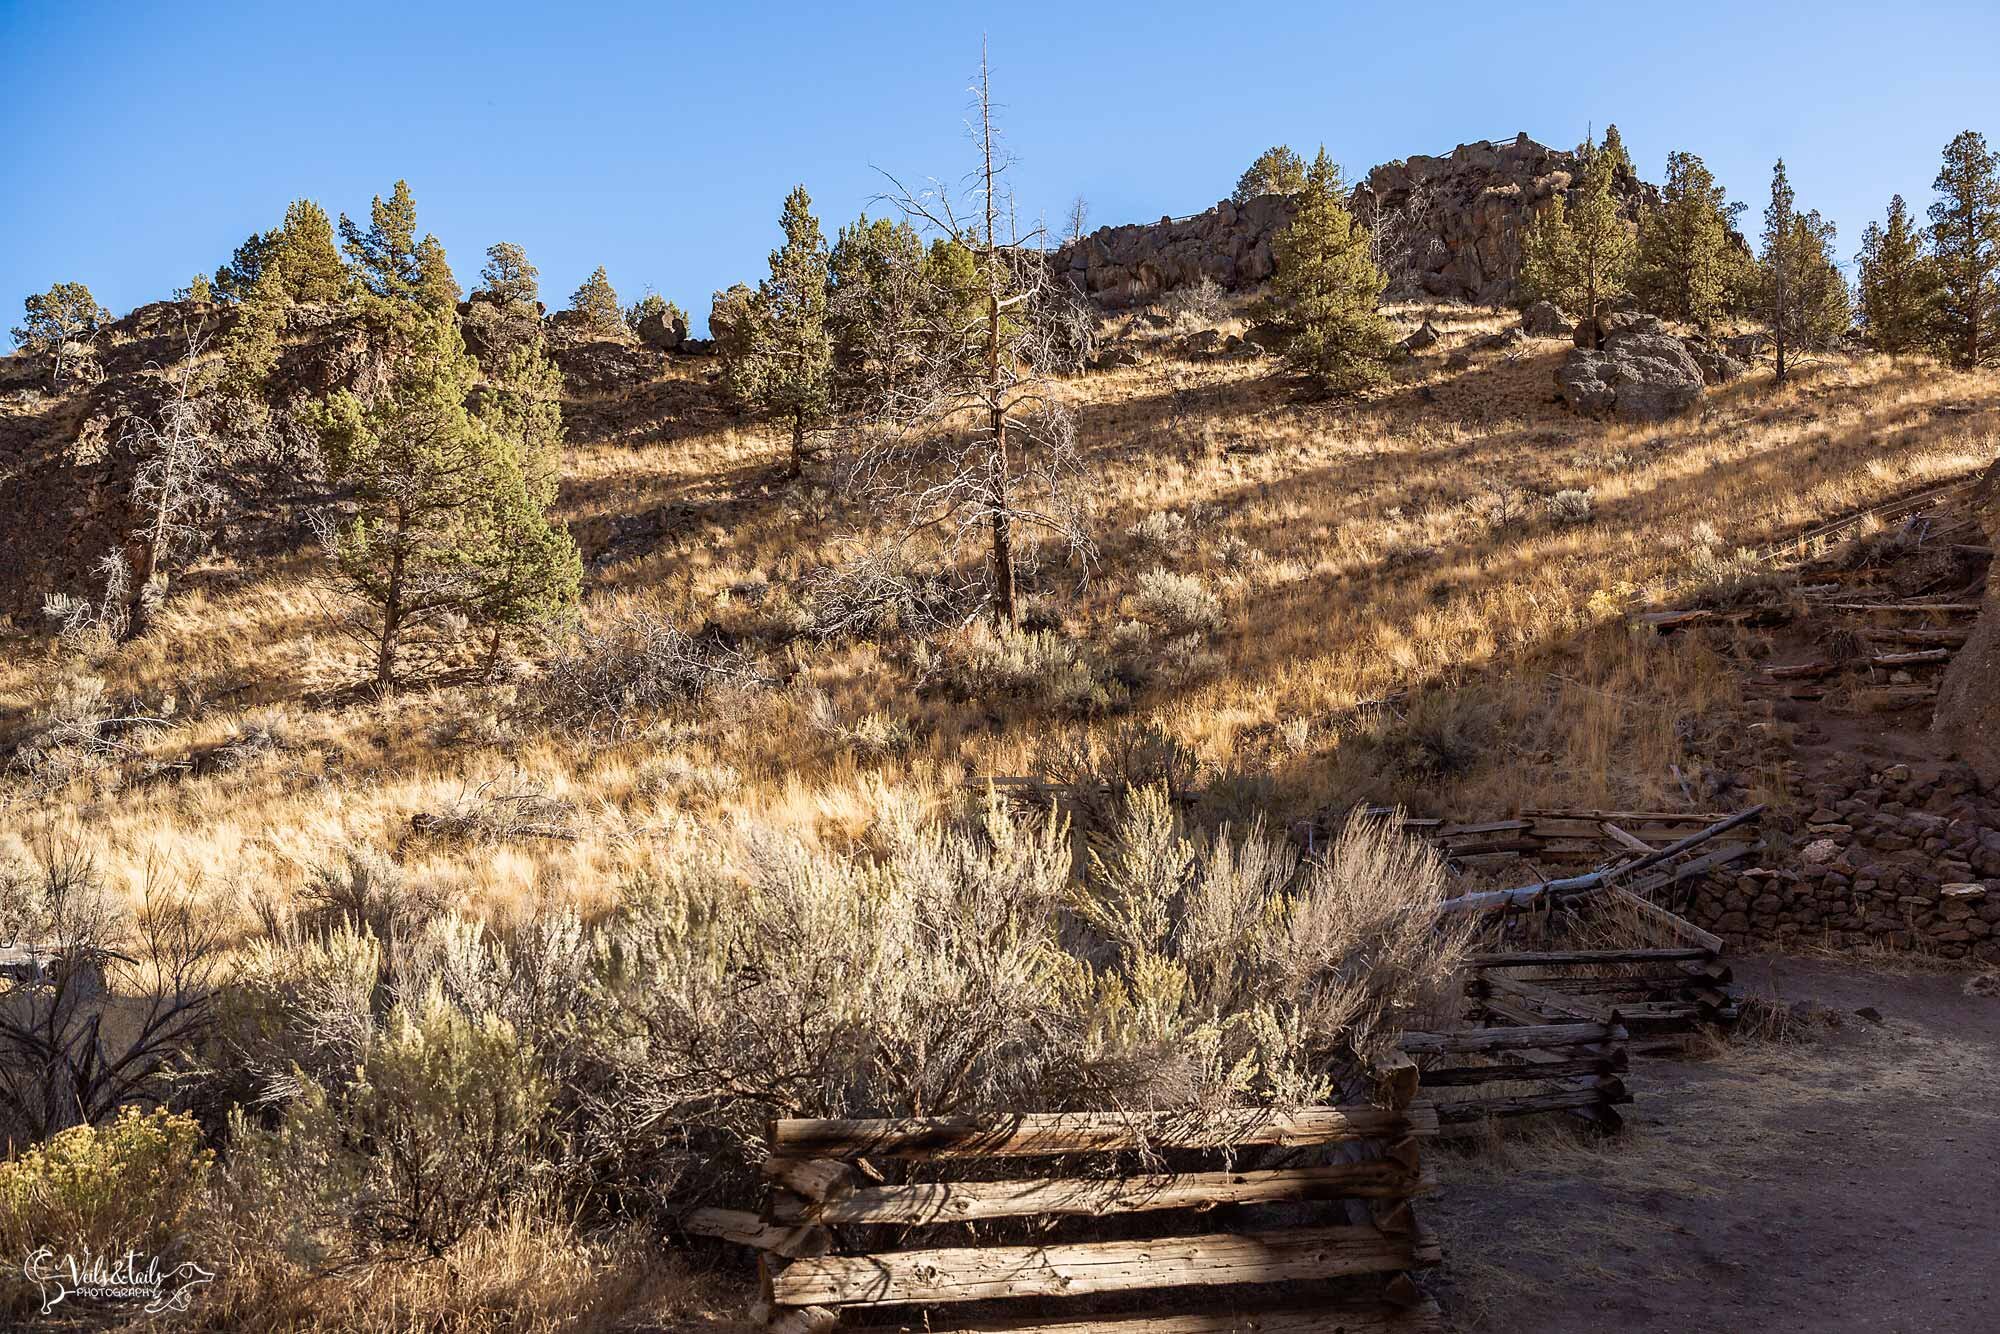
(171, 490)
(99, 1007)
(971, 444)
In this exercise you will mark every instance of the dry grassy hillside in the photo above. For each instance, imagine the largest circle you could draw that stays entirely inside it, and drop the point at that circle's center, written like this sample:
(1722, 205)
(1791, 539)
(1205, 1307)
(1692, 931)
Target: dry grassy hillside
(1398, 598)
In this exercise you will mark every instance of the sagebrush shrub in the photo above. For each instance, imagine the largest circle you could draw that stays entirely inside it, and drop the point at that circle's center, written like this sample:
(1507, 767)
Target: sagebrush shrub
(132, 1182)
(1570, 506)
(1179, 603)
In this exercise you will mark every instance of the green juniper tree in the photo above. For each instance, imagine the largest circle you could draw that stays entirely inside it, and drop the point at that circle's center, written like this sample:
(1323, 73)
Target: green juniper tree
(1277, 171)
(1582, 257)
(1780, 260)
(507, 277)
(784, 366)
(877, 295)
(447, 523)
(597, 301)
(53, 321)
(250, 349)
(1329, 288)
(307, 257)
(1965, 239)
(1686, 259)
(1899, 284)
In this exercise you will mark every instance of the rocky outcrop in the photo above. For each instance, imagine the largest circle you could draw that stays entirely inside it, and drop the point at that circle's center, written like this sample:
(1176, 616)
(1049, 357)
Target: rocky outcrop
(1968, 708)
(1230, 243)
(1450, 227)
(663, 330)
(1638, 376)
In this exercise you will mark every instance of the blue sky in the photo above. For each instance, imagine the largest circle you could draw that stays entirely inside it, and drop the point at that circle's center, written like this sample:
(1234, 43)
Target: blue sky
(140, 143)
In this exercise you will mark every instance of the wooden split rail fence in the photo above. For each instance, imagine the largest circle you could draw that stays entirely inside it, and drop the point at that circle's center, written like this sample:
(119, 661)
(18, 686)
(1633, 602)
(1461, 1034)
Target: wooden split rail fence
(1479, 1075)
(1303, 1218)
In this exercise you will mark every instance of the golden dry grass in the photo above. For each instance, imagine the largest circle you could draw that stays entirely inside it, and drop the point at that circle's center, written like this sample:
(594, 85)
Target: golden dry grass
(1393, 543)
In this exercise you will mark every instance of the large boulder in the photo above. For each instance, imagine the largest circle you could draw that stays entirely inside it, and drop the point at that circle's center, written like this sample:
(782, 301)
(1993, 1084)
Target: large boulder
(1634, 377)
(1968, 708)
(1543, 320)
(663, 330)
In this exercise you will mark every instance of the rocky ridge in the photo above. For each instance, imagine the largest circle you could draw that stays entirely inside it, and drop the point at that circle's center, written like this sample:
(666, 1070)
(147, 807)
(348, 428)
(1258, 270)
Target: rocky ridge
(1450, 227)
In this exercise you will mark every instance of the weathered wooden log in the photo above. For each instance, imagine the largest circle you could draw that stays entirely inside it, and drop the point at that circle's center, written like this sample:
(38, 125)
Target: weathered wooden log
(979, 1273)
(1396, 1079)
(1669, 922)
(969, 1201)
(820, 1179)
(1489, 900)
(1476, 1040)
(1553, 1004)
(747, 1229)
(1529, 1104)
(1027, 1134)
(1418, 1315)
(1583, 1067)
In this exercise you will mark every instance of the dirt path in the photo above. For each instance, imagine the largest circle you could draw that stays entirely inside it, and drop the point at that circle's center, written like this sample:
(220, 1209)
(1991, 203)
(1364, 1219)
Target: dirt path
(1848, 1183)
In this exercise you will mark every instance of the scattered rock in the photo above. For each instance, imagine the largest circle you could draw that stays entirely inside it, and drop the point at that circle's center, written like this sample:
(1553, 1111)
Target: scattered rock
(1270, 336)
(1717, 366)
(1543, 320)
(1112, 358)
(1870, 1013)
(1426, 336)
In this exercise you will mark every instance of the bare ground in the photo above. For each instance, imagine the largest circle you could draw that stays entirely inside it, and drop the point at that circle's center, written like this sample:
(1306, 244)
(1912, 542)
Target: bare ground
(1846, 1182)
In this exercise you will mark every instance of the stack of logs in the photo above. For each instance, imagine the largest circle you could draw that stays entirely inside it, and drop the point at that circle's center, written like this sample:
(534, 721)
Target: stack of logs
(1574, 837)
(1320, 1220)
(1478, 1075)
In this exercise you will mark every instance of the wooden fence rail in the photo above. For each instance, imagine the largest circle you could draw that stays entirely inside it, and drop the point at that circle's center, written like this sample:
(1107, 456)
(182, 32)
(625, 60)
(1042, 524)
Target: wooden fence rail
(1254, 1205)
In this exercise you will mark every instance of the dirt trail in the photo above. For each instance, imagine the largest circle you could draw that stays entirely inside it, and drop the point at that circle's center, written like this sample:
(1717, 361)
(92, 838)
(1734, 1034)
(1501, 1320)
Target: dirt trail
(1851, 1183)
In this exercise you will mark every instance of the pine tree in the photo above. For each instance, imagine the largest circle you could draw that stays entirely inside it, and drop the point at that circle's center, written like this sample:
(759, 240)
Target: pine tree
(1277, 171)
(447, 523)
(390, 262)
(1899, 284)
(437, 288)
(1779, 257)
(507, 277)
(1617, 158)
(785, 366)
(306, 256)
(1806, 303)
(597, 302)
(1965, 238)
(1329, 289)
(235, 279)
(1686, 261)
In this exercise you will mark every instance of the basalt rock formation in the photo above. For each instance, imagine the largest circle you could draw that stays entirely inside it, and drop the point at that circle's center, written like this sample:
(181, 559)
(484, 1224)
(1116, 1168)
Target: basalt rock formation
(1448, 227)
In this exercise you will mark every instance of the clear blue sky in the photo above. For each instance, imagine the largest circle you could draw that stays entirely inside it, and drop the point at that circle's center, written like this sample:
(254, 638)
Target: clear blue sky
(140, 143)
